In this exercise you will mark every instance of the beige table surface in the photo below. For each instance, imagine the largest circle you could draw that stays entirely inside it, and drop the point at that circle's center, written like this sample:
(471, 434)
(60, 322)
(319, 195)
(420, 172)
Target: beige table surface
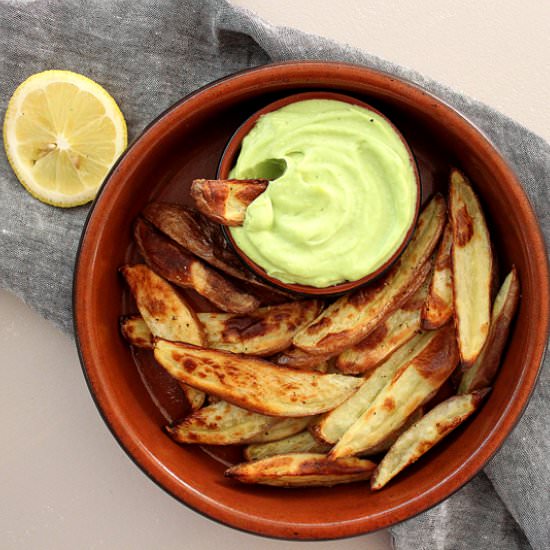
(64, 481)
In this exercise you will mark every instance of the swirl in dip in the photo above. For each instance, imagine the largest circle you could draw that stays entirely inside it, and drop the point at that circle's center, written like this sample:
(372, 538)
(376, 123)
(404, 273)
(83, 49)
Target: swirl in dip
(342, 195)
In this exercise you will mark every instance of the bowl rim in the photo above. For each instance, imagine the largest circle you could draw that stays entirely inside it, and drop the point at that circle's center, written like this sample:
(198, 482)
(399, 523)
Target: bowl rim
(231, 152)
(510, 416)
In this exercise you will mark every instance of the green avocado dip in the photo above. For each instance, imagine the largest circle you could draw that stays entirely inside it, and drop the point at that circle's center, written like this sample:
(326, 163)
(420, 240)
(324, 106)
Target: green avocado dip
(342, 195)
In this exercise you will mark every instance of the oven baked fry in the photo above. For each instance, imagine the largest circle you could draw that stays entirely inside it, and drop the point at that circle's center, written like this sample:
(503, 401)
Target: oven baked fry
(352, 317)
(302, 442)
(424, 434)
(415, 383)
(472, 267)
(136, 332)
(297, 358)
(226, 201)
(394, 331)
(438, 308)
(331, 426)
(253, 383)
(281, 429)
(166, 314)
(481, 374)
(386, 443)
(183, 269)
(221, 423)
(302, 470)
(266, 331)
(202, 237)
(262, 332)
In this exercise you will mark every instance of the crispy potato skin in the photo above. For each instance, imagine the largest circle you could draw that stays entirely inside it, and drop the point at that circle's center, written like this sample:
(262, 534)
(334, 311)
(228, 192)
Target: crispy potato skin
(166, 314)
(282, 428)
(164, 311)
(221, 423)
(483, 371)
(438, 360)
(302, 442)
(331, 426)
(438, 308)
(415, 383)
(136, 332)
(252, 383)
(394, 331)
(302, 470)
(183, 269)
(226, 201)
(424, 434)
(472, 268)
(196, 233)
(386, 444)
(354, 316)
(262, 332)
(195, 398)
(297, 358)
(202, 237)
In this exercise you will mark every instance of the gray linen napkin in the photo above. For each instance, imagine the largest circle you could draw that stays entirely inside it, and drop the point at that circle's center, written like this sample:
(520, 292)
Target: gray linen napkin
(148, 54)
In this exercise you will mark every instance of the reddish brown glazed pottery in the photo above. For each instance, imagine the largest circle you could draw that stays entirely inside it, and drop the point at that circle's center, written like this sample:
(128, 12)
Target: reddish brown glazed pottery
(131, 392)
(229, 158)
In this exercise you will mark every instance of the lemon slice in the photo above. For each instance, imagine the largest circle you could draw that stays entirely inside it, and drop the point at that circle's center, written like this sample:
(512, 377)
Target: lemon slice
(62, 134)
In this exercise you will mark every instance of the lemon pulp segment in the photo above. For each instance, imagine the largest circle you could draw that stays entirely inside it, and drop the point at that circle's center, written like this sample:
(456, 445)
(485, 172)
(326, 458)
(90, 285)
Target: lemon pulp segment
(62, 134)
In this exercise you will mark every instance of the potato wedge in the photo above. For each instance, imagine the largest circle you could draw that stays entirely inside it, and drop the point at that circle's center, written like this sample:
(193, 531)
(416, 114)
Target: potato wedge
(136, 332)
(298, 359)
(282, 428)
(263, 332)
(424, 434)
(386, 444)
(411, 386)
(202, 237)
(226, 201)
(351, 318)
(481, 374)
(196, 233)
(221, 424)
(185, 270)
(438, 308)
(252, 383)
(195, 398)
(332, 425)
(397, 329)
(472, 267)
(302, 442)
(302, 470)
(166, 314)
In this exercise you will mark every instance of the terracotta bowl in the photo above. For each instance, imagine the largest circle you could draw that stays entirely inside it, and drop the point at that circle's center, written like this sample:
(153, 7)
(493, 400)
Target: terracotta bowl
(229, 158)
(137, 399)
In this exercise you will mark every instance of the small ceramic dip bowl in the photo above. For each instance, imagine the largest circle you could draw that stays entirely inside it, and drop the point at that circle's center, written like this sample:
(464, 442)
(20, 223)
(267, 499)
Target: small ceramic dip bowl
(340, 231)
